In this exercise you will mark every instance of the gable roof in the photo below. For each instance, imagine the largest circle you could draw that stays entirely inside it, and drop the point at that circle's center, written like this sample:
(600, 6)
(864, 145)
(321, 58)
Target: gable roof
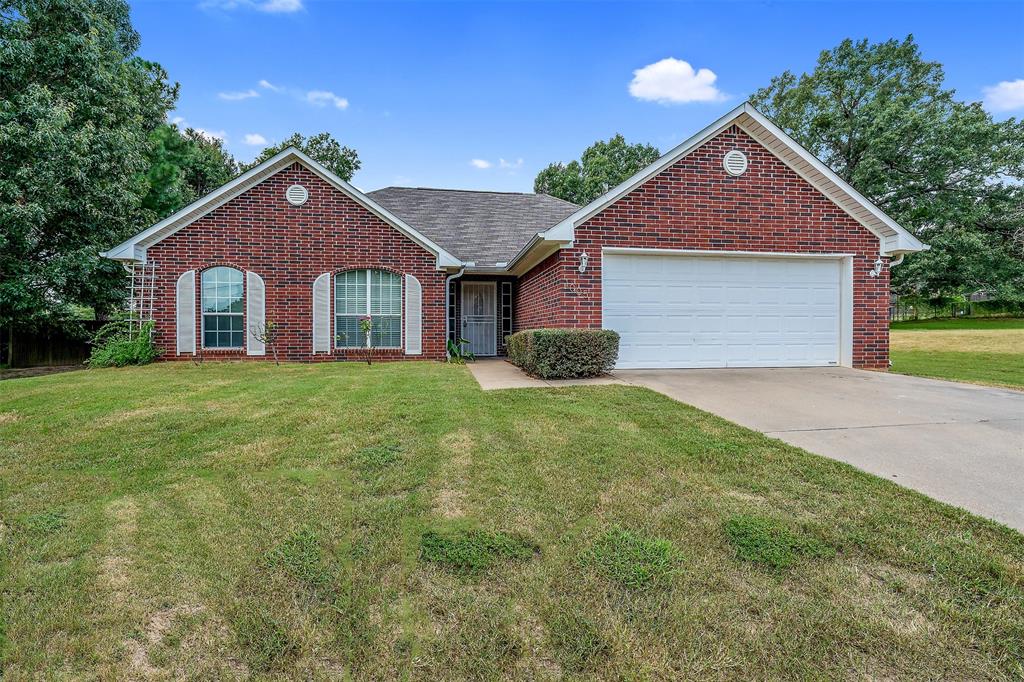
(134, 249)
(894, 240)
(485, 228)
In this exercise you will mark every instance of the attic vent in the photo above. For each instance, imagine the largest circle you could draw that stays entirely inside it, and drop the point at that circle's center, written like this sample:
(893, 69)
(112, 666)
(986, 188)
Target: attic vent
(296, 195)
(735, 162)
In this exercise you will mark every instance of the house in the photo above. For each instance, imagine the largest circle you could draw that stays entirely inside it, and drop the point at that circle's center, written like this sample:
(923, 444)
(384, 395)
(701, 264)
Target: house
(735, 249)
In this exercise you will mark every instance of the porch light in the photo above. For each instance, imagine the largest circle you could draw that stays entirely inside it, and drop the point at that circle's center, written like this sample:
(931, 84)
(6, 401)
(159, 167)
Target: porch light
(877, 270)
(584, 258)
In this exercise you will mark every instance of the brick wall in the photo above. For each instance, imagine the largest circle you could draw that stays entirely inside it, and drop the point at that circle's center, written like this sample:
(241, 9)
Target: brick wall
(695, 204)
(289, 246)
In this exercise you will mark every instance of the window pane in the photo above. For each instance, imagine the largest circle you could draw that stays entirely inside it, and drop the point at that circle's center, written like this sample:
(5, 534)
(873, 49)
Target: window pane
(347, 334)
(387, 332)
(385, 293)
(222, 290)
(350, 293)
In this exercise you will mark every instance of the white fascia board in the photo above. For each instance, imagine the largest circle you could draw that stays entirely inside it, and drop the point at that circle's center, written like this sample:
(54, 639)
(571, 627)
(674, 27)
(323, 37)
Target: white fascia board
(904, 241)
(135, 248)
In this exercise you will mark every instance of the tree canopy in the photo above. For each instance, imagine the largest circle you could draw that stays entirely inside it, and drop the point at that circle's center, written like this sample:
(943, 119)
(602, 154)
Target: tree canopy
(602, 166)
(323, 148)
(77, 107)
(183, 166)
(879, 116)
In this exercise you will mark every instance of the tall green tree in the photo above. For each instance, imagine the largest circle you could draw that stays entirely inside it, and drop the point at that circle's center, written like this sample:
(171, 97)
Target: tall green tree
(183, 166)
(76, 109)
(602, 166)
(323, 148)
(880, 116)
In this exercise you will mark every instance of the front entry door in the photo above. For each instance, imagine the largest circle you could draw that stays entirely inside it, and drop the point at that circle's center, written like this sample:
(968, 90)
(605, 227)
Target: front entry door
(479, 324)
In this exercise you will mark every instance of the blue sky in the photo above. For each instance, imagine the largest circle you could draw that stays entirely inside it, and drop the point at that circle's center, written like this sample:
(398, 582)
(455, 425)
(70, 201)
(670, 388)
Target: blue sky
(483, 95)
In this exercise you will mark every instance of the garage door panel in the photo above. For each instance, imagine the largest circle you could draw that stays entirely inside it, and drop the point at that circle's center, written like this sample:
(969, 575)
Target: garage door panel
(686, 311)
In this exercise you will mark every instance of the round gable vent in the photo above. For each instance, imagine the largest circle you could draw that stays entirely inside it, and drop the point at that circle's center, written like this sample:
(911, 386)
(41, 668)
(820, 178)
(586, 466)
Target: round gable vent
(296, 195)
(735, 162)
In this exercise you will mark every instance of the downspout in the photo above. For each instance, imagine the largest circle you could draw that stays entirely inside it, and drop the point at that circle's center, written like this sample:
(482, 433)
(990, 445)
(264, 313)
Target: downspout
(447, 306)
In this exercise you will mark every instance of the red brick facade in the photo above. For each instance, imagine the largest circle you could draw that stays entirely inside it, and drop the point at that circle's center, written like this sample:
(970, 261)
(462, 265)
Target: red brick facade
(289, 246)
(695, 204)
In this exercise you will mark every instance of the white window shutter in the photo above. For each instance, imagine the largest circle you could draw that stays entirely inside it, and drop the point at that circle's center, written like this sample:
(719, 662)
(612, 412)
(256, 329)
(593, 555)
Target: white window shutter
(413, 316)
(322, 314)
(185, 312)
(255, 313)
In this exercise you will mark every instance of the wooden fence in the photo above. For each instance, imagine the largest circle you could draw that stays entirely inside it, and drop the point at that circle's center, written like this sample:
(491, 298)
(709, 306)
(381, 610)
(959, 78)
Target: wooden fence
(48, 347)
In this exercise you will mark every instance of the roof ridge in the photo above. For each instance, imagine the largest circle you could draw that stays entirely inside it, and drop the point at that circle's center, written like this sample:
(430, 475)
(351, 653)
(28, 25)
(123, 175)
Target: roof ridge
(472, 191)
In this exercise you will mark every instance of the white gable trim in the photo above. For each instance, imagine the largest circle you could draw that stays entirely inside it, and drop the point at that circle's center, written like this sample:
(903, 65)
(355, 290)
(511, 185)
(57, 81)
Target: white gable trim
(894, 240)
(134, 249)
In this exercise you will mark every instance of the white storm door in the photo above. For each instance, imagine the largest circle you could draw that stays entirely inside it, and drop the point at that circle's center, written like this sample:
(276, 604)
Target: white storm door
(705, 311)
(479, 320)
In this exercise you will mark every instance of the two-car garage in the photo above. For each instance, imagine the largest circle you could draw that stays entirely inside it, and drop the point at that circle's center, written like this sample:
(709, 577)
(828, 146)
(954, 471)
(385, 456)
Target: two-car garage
(713, 309)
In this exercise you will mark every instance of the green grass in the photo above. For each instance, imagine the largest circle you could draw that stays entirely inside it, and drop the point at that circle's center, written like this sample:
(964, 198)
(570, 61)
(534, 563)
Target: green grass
(995, 323)
(983, 351)
(344, 521)
(770, 543)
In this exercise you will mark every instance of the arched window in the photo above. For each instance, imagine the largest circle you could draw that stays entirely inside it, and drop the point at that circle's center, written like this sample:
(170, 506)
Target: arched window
(377, 293)
(222, 308)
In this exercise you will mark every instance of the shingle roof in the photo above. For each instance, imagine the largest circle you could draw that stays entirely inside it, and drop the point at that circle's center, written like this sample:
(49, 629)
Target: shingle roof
(482, 227)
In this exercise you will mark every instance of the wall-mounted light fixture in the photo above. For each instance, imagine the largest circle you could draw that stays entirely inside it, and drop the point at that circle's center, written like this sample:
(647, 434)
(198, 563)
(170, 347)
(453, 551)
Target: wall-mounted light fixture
(877, 269)
(584, 258)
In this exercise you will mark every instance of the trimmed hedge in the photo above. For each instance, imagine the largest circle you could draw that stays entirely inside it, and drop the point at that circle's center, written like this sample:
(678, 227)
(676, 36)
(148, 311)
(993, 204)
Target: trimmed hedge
(564, 353)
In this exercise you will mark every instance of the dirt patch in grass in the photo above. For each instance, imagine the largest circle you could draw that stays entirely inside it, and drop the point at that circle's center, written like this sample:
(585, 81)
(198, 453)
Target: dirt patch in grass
(767, 542)
(472, 551)
(9, 417)
(156, 628)
(450, 497)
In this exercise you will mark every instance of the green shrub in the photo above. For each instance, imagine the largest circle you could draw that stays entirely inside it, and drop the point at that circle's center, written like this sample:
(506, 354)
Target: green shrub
(471, 551)
(768, 542)
(564, 353)
(118, 344)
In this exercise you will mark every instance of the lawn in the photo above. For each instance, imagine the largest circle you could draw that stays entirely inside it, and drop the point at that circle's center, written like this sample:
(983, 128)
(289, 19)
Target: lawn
(325, 521)
(984, 351)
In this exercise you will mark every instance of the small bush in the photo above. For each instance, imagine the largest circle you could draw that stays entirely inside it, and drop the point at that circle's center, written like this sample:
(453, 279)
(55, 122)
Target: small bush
(469, 552)
(632, 560)
(769, 543)
(118, 344)
(564, 353)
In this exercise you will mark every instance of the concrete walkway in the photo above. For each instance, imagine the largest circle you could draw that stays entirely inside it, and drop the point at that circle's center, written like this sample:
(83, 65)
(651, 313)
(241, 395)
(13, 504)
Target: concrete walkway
(958, 443)
(496, 373)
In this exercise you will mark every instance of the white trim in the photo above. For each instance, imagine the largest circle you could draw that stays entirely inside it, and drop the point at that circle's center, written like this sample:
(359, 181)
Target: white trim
(846, 312)
(893, 239)
(255, 312)
(846, 303)
(625, 251)
(134, 249)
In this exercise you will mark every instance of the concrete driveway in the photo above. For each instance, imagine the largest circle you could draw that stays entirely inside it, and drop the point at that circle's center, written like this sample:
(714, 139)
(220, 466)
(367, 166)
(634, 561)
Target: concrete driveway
(958, 443)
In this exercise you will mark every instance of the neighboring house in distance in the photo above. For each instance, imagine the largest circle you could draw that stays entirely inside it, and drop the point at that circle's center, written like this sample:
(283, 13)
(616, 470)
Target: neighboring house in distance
(735, 249)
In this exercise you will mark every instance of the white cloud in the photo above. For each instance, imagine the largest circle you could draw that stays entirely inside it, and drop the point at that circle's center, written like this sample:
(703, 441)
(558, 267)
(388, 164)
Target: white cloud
(480, 163)
(673, 81)
(255, 139)
(1005, 96)
(280, 6)
(268, 6)
(178, 120)
(511, 165)
(236, 96)
(264, 83)
(212, 135)
(322, 98)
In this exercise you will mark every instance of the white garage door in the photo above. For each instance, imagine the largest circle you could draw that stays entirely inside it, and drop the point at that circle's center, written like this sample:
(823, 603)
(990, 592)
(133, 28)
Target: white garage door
(706, 311)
